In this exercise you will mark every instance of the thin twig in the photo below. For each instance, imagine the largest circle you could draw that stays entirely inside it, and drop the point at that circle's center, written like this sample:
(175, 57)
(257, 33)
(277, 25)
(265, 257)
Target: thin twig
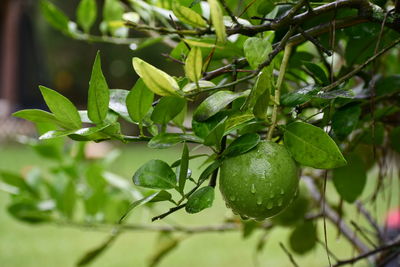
(285, 61)
(230, 13)
(171, 210)
(290, 256)
(315, 42)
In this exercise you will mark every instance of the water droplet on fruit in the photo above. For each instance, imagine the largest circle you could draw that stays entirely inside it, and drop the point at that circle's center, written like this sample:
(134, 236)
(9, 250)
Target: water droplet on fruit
(282, 191)
(259, 201)
(272, 195)
(280, 202)
(253, 188)
(232, 198)
(270, 205)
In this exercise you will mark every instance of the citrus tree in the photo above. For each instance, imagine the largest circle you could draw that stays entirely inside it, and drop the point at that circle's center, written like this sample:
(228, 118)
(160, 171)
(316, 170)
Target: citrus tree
(280, 92)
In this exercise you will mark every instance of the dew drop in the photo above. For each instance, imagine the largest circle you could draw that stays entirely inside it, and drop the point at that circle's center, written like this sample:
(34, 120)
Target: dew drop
(280, 202)
(253, 189)
(232, 198)
(282, 191)
(270, 205)
(259, 201)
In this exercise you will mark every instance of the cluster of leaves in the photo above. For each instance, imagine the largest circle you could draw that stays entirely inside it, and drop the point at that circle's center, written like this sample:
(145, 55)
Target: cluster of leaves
(236, 105)
(75, 188)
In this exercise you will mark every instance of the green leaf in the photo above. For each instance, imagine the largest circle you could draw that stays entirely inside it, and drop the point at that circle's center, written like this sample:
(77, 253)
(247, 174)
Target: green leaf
(161, 196)
(200, 85)
(188, 16)
(350, 180)
(155, 197)
(62, 108)
(67, 199)
(395, 139)
(89, 133)
(318, 73)
(215, 103)
(311, 146)
(345, 120)
(215, 135)
(156, 80)
(388, 85)
(155, 174)
(99, 94)
(184, 166)
(139, 101)
(258, 100)
(54, 16)
(118, 103)
(94, 253)
(113, 10)
(303, 238)
(217, 19)
(167, 109)
(209, 170)
(200, 200)
(257, 50)
(241, 145)
(166, 140)
(28, 211)
(237, 121)
(16, 181)
(194, 64)
(86, 14)
(39, 116)
(178, 162)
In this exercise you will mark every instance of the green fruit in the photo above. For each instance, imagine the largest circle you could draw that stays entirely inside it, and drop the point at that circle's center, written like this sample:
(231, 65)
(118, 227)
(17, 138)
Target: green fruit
(260, 183)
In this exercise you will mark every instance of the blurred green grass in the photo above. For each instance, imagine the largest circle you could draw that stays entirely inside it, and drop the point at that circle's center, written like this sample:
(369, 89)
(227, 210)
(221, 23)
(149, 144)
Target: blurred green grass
(45, 245)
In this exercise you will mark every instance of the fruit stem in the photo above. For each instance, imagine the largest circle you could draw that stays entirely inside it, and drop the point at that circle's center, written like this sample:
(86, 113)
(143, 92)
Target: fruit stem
(282, 70)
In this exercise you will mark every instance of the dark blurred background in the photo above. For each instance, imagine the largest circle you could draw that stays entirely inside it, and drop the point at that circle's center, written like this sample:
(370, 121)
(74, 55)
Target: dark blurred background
(33, 53)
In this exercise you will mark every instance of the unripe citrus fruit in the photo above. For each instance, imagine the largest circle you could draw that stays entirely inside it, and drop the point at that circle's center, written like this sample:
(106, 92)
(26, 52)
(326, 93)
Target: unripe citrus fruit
(260, 183)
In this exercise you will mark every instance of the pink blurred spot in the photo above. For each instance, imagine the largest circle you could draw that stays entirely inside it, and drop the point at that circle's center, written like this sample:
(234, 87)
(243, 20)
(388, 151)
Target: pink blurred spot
(393, 218)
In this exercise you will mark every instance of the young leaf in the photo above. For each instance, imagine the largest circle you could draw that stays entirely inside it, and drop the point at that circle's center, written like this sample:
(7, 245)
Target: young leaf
(194, 64)
(200, 85)
(86, 14)
(311, 146)
(188, 16)
(156, 80)
(38, 116)
(167, 109)
(215, 103)
(139, 101)
(183, 170)
(62, 108)
(200, 200)
(99, 94)
(242, 145)
(217, 20)
(257, 50)
(166, 140)
(118, 103)
(258, 99)
(155, 174)
(94, 253)
(54, 16)
(350, 180)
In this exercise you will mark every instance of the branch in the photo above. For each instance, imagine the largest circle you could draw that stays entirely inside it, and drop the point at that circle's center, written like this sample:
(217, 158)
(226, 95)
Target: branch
(359, 68)
(395, 244)
(171, 210)
(334, 218)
